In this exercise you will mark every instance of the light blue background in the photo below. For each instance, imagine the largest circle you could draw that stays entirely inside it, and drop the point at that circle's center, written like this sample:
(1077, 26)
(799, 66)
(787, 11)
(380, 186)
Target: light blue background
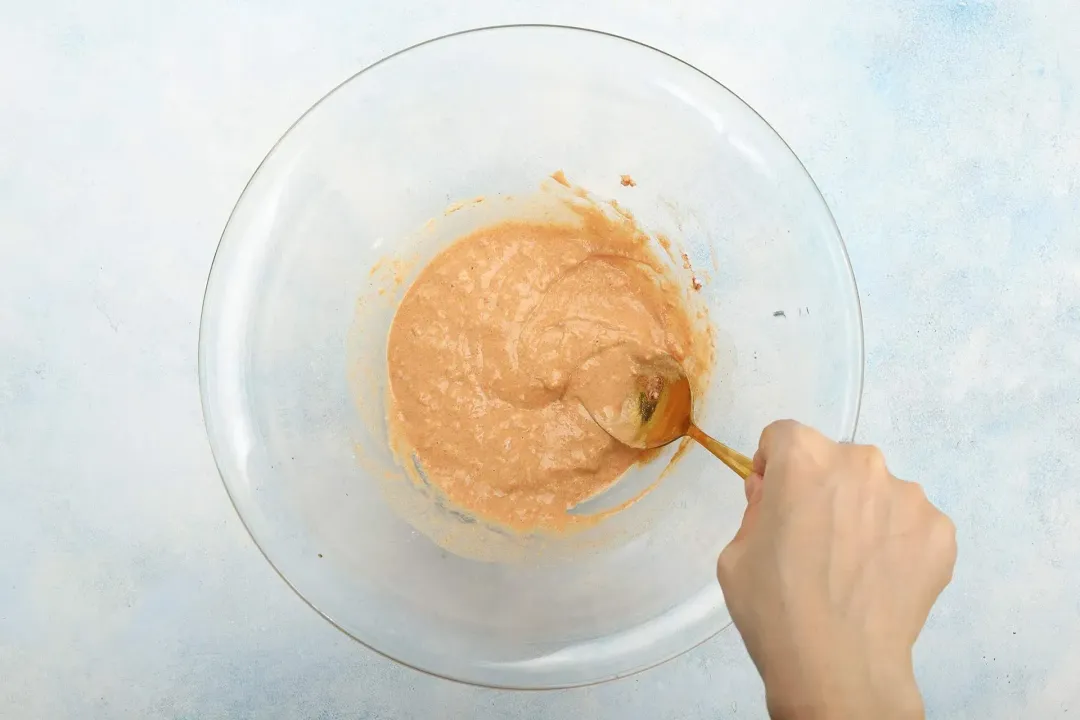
(945, 136)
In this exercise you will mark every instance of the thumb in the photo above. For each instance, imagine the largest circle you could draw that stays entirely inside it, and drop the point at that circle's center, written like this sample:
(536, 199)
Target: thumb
(753, 488)
(729, 558)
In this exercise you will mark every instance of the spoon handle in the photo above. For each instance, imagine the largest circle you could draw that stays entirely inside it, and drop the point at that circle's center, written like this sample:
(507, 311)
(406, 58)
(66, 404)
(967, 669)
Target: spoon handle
(738, 462)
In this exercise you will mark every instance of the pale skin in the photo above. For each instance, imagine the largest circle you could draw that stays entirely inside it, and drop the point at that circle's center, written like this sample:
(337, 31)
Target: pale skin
(831, 577)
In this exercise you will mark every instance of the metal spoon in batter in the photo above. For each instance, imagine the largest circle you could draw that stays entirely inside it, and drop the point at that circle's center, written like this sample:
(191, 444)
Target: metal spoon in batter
(656, 410)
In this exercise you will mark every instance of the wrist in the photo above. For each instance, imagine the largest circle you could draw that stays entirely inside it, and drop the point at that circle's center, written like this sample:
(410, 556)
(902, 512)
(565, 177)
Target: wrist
(852, 690)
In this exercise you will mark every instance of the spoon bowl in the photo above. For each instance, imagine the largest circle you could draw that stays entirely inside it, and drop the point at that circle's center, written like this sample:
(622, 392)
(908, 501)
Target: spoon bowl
(653, 409)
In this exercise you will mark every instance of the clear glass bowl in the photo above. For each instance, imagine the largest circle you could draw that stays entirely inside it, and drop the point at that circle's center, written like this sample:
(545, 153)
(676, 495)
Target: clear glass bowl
(482, 113)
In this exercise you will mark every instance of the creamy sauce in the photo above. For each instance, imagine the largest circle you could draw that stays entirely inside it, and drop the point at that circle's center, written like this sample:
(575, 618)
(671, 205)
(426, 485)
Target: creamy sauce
(486, 356)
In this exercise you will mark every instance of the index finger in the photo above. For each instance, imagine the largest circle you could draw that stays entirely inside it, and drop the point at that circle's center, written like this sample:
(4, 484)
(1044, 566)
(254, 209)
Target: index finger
(780, 438)
(776, 437)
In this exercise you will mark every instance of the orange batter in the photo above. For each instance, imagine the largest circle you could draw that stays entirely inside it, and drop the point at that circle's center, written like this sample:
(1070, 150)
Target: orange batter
(484, 349)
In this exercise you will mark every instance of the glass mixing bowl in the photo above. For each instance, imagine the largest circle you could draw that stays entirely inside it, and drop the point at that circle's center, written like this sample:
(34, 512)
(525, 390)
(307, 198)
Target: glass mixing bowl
(295, 322)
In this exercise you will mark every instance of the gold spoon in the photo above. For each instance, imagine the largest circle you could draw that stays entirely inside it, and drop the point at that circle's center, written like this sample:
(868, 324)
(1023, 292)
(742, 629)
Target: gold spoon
(654, 410)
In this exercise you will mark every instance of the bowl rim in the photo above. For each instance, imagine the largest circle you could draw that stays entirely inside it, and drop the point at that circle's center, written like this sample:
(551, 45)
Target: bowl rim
(202, 360)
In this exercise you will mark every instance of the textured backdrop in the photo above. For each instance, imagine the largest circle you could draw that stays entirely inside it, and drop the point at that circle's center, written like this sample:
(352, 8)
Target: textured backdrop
(944, 134)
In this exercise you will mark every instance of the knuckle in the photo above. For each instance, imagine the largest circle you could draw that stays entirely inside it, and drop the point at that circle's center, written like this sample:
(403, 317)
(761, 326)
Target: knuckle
(944, 532)
(943, 545)
(782, 426)
(870, 458)
(776, 434)
(776, 442)
(803, 435)
(814, 444)
(915, 493)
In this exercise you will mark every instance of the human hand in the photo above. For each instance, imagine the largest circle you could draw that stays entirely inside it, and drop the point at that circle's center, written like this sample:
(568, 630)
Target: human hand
(832, 575)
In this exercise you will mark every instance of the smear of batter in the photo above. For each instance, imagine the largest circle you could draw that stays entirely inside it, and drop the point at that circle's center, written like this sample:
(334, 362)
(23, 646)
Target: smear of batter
(484, 349)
